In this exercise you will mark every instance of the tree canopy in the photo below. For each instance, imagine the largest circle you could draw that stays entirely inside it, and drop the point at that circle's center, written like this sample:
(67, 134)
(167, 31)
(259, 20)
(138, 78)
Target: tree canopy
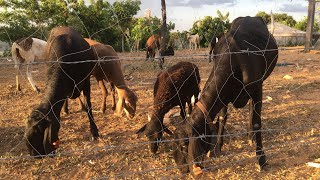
(302, 25)
(96, 19)
(145, 27)
(210, 27)
(278, 17)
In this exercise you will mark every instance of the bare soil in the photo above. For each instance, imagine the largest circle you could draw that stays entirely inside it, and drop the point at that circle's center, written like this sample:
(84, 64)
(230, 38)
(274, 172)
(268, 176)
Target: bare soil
(290, 118)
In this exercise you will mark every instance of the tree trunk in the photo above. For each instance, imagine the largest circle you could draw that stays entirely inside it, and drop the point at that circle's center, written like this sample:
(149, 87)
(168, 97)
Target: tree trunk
(163, 32)
(310, 23)
(122, 42)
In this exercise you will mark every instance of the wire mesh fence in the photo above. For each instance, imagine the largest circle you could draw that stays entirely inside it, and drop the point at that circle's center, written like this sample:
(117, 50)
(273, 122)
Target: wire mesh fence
(121, 154)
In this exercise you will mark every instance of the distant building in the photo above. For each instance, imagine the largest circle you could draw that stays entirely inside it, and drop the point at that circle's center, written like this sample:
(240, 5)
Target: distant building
(147, 13)
(287, 36)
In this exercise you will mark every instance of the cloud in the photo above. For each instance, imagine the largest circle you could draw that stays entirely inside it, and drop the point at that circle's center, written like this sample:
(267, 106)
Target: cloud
(199, 3)
(293, 8)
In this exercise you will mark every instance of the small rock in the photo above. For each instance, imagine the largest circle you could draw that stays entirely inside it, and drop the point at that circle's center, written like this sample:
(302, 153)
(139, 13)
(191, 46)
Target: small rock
(313, 164)
(287, 77)
(91, 162)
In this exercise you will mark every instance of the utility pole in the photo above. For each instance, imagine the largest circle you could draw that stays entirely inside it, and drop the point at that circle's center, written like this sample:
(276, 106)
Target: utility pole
(163, 32)
(310, 23)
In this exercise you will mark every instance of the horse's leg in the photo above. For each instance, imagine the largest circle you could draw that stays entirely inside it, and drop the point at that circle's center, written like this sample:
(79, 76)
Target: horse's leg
(189, 105)
(113, 94)
(220, 124)
(211, 49)
(81, 105)
(87, 102)
(18, 88)
(65, 107)
(183, 109)
(147, 54)
(29, 76)
(104, 95)
(256, 124)
(250, 133)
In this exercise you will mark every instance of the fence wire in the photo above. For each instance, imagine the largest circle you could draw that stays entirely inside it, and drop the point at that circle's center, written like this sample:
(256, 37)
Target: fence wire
(138, 144)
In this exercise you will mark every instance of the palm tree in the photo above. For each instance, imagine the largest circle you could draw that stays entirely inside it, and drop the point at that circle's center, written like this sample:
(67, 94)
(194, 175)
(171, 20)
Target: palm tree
(223, 17)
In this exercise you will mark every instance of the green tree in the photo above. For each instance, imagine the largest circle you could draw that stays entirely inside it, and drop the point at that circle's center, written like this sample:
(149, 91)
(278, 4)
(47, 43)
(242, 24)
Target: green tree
(180, 39)
(302, 25)
(285, 19)
(266, 17)
(145, 27)
(29, 18)
(123, 15)
(281, 18)
(96, 19)
(223, 17)
(210, 27)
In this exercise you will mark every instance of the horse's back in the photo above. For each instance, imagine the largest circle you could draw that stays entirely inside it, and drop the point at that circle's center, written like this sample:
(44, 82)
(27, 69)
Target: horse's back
(152, 40)
(257, 47)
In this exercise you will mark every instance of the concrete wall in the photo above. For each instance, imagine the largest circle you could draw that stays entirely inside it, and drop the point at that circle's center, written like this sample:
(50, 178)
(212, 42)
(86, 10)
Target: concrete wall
(290, 40)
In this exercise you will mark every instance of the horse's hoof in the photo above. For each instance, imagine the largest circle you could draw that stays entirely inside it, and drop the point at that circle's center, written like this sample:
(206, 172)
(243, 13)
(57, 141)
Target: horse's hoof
(214, 153)
(250, 142)
(84, 109)
(196, 170)
(264, 167)
(94, 138)
(37, 90)
(103, 110)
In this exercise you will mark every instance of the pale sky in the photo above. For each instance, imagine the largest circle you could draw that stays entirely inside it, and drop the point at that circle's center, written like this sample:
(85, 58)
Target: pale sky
(184, 12)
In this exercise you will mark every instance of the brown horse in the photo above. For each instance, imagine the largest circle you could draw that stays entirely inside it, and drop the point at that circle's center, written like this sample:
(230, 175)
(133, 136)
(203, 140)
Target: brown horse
(108, 68)
(152, 44)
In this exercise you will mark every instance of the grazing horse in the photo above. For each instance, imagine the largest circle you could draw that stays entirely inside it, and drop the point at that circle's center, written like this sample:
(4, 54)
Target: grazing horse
(108, 68)
(152, 44)
(65, 79)
(235, 78)
(110, 71)
(27, 50)
(173, 87)
(194, 41)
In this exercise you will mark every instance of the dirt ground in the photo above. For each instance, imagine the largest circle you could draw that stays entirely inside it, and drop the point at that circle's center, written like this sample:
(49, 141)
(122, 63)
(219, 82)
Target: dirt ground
(290, 118)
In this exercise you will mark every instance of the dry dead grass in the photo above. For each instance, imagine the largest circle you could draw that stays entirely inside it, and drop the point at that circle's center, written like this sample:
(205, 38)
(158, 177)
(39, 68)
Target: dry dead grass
(291, 119)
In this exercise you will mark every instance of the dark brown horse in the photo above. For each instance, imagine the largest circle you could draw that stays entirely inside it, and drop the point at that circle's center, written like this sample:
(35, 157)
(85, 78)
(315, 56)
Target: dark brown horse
(65, 79)
(245, 57)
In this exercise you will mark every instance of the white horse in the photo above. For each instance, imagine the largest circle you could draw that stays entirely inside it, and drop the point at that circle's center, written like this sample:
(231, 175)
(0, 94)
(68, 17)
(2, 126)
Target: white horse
(194, 40)
(27, 50)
